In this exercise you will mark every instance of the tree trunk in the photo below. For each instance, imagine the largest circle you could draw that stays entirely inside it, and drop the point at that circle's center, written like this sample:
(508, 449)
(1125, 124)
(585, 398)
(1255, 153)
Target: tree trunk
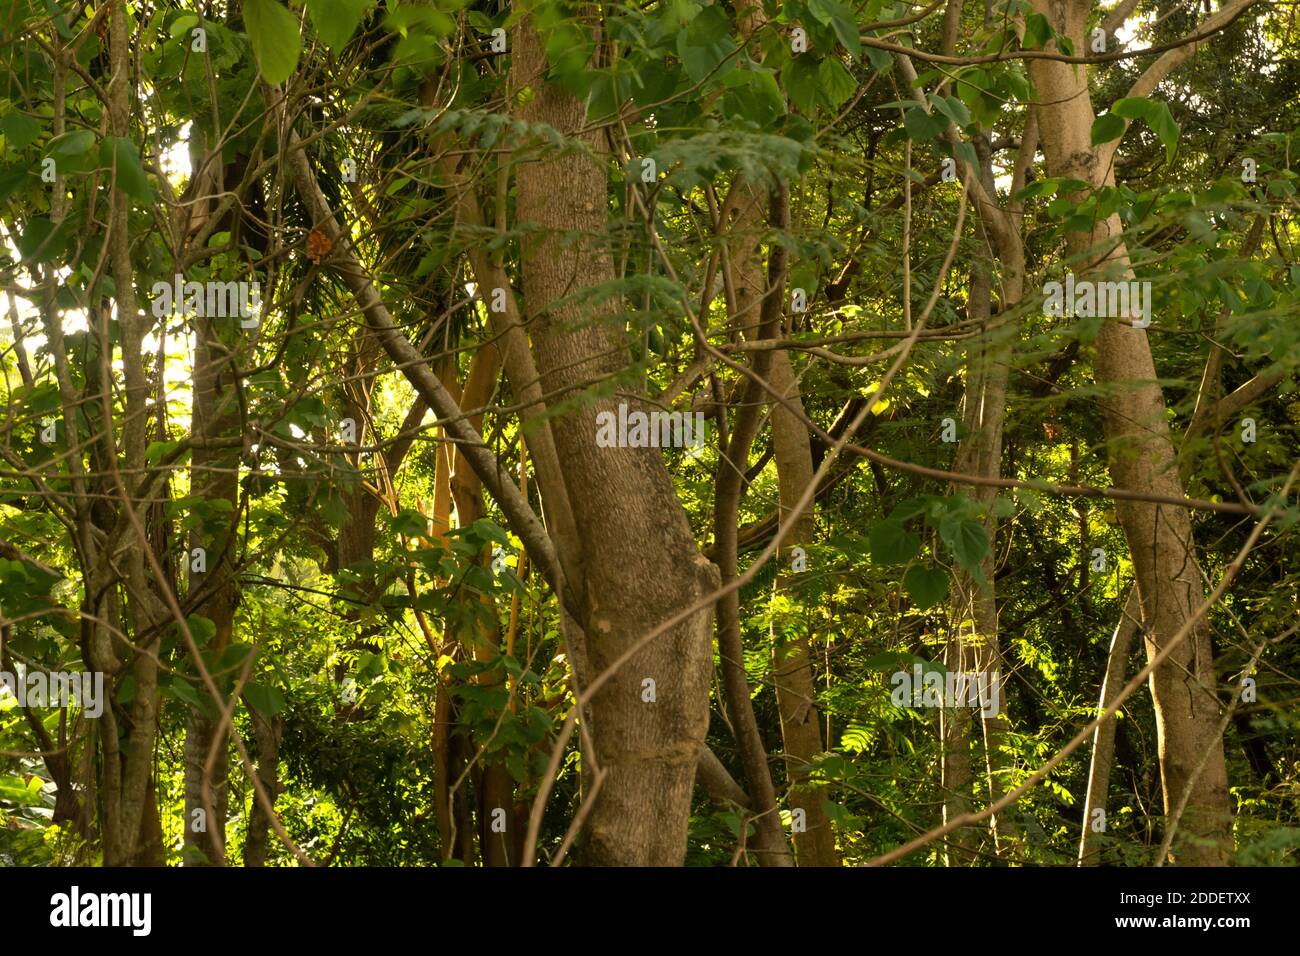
(792, 667)
(1103, 738)
(639, 561)
(1142, 458)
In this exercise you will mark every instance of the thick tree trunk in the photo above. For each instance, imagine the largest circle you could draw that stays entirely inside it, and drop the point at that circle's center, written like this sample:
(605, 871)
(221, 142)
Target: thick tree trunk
(639, 562)
(1142, 458)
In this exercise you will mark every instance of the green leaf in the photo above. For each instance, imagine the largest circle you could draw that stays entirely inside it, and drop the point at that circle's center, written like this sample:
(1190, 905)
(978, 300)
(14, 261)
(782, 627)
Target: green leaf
(799, 77)
(1037, 32)
(201, 628)
(1166, 130)
(821, 10)
(891, 543)
(119, 153)
(1107, 127)
(1155, 113)
(336, 20)
(157, 449)
(20, 130)
(880, 60)
(705, 43)
(267, 701)
(892, 661)
(952, 108)
(921, 126)
(410, 523)
(926, 586)
(181, 690)
(37, 238)
(70, 145)
(967, 539)
(753, 95)
(273, 34)
(837, 82)
(839, 18)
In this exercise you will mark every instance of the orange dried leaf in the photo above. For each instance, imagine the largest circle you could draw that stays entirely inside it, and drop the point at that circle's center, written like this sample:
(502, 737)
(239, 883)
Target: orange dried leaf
(318, 245)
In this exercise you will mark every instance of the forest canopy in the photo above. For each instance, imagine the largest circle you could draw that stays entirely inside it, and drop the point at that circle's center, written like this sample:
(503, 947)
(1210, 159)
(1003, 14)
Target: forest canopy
(726, 433)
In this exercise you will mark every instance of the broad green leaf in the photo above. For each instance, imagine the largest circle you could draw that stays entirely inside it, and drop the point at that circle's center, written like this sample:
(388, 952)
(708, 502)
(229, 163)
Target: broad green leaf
(1107, 127)
(800, 79)
(926, 586)
(267, 701)
(336, 20)
(70, 145)
(39, 241)
(891, 543)
(1155, 113)
(201, 628)
(839, 17)
(706, 43)
(753, 95)
(273, 34)
(182, 690)
(967, 539)
(20, 130)
(119, 153)
(921, 126)
(837, 82)
(953, 108)
(1037, 32)
(410, 523)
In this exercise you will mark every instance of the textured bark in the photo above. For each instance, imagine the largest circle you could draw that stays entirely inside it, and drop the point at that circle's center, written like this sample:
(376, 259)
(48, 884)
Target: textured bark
(122, 834)
(640, 562)
(792, 657)
(769, 845)
(495, 786)
(980, 454)
(266, 734)
(1142, 458)
(214, 474)
(792, 667)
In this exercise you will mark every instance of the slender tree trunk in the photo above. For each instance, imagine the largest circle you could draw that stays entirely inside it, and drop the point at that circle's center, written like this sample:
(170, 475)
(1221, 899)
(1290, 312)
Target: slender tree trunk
(213, 477)
(266, 734)
(1103, 738)
(770, 844)
(792, 665)
(496, 787)
(144, 611)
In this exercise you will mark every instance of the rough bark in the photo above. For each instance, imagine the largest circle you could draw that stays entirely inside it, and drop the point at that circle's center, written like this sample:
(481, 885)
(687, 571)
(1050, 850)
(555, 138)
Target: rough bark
(770, 845)
(640, 562)
(214, 476)
(792, 668)
(1142, 457)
